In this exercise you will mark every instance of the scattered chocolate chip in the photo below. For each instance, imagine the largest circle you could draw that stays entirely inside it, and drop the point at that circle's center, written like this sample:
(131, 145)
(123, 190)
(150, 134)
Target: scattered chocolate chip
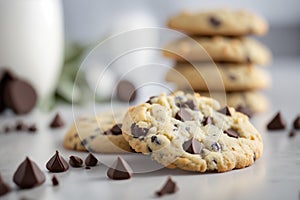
(245, 110)
(215, 146)
(277, 123)
(116, 129)
(5, 76)
(154, 139)
(57, 163)
(149, 101)
(126, 91)
(57, 122)
(28, 175)
(169, 187)
(183, 115)
(19, 96)
(7, 129)
(225, 111)
(119, 170)
(193, 146)
(87, 167)
(32, 128)
(21, 126)
(136, 131)
(75, 161)
(214, 21)
(207, 120)
(231, 133)
(91, 160)
(296, 123)
(4, 188)
(292, 133)
(55, 181)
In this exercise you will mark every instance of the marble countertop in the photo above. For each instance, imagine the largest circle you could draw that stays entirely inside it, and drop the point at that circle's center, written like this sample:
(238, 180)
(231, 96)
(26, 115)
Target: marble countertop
(275, 176)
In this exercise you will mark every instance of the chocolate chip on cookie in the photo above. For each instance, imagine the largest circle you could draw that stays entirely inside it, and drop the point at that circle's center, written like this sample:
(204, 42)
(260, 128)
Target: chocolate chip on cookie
(231, 133)
(277, 123)
(225, 111)
(183, 115)
(119, 170)
(207, 120)
(193, 146)
(296, 123)
(75, 161)
(57, 163)
(215, 147)
(155, 140)
(28, 175)
(214, 21)
(138, 131)
(169, 187)
(149, 101)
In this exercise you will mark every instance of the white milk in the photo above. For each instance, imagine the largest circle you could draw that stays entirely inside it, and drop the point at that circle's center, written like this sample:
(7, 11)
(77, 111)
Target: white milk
(32, 41)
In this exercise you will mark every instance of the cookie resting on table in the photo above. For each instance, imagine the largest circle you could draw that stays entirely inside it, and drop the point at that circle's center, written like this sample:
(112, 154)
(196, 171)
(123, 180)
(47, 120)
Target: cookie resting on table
(192, 133)
(101, 134)
(219, 22)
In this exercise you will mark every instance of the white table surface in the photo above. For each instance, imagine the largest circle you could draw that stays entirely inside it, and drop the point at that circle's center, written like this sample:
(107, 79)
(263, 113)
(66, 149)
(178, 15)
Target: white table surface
(275, 176)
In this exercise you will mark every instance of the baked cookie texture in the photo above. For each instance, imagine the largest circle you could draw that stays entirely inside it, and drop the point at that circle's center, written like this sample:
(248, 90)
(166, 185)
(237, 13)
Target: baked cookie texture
(219, 49)
(220, 22)
(164, 125)
(218, 77)
(101, 134)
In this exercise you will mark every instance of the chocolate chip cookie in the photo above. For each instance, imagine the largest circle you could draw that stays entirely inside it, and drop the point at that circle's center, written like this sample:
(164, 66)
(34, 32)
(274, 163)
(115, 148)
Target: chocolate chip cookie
(101, 134)
(218, 77)
(218, 49)
(219, 22)
(193, 133)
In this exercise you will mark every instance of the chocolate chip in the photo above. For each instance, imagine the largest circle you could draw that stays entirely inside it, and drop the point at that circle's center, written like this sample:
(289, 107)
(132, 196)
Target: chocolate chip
(154, 139)
(19, 96)
(215, 161)
(21, 126)
(193, 146)
(55, 181)
(292, 133)
(277, 123)
(84, 142)
(57, 163)
(28, 174)
(187, 104)
(136, 131)
(183, 115)
(91, 160)
(254, 156)
(32, 128)
(215, 146)
(87, 167)
(245, 110)
(4, 188)
(296, 123)
(119, 170)
(232, 77)
(225, 111)
(149, 149)
(248, 60)
(149, 101)
(116, 129)
(231, 133)
(169, 187)
(207, 120)
(214, 21)
(57, 121)
(75, 161)
(7, 129)
(126, 91)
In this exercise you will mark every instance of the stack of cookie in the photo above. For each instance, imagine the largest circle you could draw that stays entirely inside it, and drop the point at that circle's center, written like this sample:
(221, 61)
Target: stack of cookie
(217, 59)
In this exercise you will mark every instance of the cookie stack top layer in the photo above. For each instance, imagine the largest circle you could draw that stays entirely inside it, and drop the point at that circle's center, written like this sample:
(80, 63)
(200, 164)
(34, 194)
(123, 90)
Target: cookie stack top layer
(220, 22)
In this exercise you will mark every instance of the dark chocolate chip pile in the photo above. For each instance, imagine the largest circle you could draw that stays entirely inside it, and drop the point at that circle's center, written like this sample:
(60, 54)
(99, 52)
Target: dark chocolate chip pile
(57, 122)
(126, 91)
(119, 170)
(57, 163)
(91, 160)
(16, 94)
(28, 175)
(75, 161)
(4, 188)
(169, 187)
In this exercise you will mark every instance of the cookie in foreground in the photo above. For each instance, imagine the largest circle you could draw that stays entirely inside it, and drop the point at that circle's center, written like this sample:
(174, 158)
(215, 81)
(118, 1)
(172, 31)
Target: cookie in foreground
(163, 127)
